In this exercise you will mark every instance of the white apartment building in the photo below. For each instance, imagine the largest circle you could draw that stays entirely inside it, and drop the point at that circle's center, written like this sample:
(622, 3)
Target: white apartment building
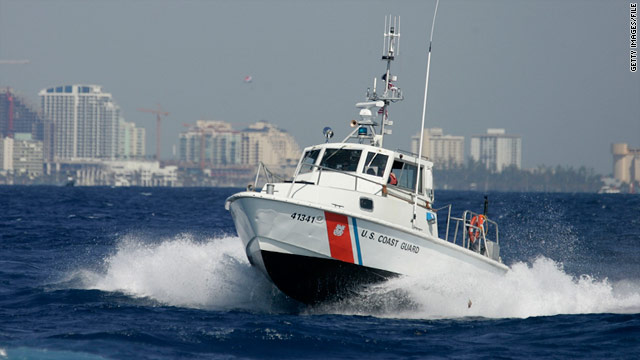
(263, 142)
(131, 141)
(444, 150)
(85, 119)
(497, 149)
(28, 156)
(6, 154)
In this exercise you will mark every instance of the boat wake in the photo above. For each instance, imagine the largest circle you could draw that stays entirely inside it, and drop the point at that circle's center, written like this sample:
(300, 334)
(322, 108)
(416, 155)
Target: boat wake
(215, 274)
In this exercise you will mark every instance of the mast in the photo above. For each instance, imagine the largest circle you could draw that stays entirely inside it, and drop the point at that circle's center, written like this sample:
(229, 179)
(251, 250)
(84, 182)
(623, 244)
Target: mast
(390, 49)
(378, 104)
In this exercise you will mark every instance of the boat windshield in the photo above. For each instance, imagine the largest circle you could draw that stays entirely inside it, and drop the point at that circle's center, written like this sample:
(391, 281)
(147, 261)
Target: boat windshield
(309, 160)
(341, 159)
(405, 174)
(375, 164)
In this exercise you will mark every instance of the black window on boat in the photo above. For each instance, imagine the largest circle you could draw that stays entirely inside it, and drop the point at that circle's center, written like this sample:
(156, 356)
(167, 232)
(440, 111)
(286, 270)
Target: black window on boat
(341, 159)
(375, 164)
(308, 160)
(406, 174)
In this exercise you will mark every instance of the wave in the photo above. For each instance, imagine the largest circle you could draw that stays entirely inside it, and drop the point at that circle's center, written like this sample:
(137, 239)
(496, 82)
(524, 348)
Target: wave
(184, 272)
(215, 274)
(542, 288)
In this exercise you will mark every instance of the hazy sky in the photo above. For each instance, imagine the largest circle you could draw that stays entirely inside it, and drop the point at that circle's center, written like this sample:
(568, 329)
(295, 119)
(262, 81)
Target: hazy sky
(554, 72)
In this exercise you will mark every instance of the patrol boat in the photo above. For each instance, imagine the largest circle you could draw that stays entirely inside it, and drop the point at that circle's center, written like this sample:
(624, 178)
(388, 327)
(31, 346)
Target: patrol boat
(356, 213)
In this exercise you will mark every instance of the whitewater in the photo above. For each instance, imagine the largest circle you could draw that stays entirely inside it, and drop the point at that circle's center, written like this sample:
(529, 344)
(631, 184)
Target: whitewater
(215, 274)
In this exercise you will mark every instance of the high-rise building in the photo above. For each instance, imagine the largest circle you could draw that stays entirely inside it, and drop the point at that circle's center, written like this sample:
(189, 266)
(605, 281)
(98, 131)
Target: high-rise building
(18, 116)
(131, 141)
(263, 142)
(211, 143)
(85, 121)
(444, 150)
(497, 150)
(626, 163)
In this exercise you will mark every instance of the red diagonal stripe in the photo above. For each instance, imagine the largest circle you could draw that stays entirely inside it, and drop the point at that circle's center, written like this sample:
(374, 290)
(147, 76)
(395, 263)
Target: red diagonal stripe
(339, 237)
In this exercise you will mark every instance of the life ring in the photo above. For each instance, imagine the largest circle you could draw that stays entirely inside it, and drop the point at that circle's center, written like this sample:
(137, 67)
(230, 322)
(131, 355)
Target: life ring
(477, 221)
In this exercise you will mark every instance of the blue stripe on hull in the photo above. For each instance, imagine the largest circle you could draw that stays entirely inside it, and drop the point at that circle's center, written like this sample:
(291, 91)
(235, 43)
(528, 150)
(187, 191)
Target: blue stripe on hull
(357, 237)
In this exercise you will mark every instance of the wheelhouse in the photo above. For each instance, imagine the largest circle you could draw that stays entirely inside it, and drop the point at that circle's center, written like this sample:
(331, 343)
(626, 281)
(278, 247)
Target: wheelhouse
(364, 168)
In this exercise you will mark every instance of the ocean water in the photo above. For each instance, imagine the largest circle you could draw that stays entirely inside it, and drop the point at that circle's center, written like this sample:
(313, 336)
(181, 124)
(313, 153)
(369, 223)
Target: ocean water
(152, 273)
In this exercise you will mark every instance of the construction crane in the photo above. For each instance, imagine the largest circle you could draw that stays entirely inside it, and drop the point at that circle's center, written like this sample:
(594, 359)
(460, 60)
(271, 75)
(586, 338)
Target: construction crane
(159, 113)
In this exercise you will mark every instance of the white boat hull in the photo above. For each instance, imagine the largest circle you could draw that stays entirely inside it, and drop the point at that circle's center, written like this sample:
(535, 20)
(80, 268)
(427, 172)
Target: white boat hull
(315, 254)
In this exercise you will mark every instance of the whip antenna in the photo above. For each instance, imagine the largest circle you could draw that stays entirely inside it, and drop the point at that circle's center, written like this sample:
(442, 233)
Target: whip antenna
(424, 111)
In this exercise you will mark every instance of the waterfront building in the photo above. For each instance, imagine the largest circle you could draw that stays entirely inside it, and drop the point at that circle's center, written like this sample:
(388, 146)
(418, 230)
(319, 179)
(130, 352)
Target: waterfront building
(264, 142)
(6, 154)
(211, 144)
(444, 150)
(131, 141)
(92, 172)
(497, 149)
(27, 155)
(85, 121)
(215, 144)
(140, 173)
(626, 163)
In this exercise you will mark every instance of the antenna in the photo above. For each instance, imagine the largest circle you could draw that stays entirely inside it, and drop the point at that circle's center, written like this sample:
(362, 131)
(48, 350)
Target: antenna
(390, 49)
(424, 107)
(378, 102)
(391, 33)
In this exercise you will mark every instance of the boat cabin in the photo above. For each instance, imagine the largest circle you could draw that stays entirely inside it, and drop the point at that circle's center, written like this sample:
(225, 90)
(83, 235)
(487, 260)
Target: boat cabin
(365, 168)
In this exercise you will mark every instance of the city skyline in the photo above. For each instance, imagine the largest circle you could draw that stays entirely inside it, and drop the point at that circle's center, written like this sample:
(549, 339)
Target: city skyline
(449, 149)
(566, 82)
(226, 156)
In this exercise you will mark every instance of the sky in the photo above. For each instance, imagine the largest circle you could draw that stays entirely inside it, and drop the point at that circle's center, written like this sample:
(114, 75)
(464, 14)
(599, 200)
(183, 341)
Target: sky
(554, 72)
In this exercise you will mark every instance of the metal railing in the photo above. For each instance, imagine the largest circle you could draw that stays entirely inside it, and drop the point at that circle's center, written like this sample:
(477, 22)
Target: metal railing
(269, 176)
(485, 233)
(448, 219)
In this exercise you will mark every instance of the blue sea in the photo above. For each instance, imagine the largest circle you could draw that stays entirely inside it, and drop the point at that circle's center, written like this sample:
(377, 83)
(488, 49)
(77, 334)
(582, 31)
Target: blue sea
(159, 273)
